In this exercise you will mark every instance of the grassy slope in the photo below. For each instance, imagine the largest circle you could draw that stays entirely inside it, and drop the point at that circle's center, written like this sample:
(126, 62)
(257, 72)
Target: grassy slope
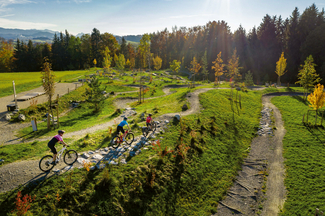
(305, 162)
(29, 80)
(152, 185)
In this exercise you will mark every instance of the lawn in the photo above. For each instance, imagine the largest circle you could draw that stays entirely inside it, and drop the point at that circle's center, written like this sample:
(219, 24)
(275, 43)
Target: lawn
(205, 152)
(304, 152)
(25, 81)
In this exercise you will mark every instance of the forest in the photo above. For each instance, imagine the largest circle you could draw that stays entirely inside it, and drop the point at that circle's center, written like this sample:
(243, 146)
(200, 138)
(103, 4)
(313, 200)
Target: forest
(298, 36)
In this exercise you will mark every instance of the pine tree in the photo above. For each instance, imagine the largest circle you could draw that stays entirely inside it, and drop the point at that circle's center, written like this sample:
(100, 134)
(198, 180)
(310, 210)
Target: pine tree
(205, 70)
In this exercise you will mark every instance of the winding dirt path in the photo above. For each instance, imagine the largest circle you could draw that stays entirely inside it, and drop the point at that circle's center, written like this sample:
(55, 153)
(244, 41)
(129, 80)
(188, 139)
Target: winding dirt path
(27, 172)
(246, 196)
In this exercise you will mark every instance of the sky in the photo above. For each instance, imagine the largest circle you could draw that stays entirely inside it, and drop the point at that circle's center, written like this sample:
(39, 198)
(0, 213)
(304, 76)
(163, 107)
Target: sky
(133, 17)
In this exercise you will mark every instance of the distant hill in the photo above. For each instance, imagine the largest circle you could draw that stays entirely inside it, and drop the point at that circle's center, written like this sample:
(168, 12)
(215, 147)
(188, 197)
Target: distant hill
(46, 35)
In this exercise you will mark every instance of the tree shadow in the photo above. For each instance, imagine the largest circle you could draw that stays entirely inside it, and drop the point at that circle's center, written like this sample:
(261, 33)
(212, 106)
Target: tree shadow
(300, 99)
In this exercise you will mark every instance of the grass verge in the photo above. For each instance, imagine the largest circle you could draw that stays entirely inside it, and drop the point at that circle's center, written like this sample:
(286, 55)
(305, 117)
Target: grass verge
(304, 158)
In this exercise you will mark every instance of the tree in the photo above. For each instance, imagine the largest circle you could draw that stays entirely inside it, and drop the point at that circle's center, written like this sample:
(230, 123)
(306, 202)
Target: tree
(175, 66)
(233, 67)
(48, 80)
(195, 68)
(307, 75)
(157, 62)
(317, 98)
(218, 67)
(281, 67)
(94, 94)
(144, 49)
(249, 79)
(205, 70)
(95, 40)
(120, 62)
(106, 59)
(6, 55)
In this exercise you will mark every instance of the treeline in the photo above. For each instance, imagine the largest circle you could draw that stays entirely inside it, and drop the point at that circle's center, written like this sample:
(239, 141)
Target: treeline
(298, 36)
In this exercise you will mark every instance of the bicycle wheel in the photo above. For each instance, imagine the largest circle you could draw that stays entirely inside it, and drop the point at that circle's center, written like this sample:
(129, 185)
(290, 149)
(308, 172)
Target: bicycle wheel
(45, 163)
(116, 141)
(70, 157)
(153, 126)
(129, 138)
(145, 131)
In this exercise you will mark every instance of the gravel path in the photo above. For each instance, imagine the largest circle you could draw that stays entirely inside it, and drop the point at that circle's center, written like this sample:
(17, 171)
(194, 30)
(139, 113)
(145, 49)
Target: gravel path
(246, 197)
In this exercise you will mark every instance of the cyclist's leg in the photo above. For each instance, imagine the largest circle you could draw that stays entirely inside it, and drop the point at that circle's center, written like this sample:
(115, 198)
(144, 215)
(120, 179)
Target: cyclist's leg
(53, 150)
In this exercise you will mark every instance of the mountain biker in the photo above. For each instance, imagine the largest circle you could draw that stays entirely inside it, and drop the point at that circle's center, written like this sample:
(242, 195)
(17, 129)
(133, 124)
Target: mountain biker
(149, 120)
(121, 125)
(53, 141)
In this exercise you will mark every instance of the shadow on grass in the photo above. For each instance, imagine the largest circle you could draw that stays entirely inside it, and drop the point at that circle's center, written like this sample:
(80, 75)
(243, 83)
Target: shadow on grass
(300, 99)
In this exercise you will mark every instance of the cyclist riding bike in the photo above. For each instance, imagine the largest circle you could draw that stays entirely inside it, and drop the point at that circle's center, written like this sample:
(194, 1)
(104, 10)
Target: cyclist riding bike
(53, 141)
(148, 121)
(120, 127)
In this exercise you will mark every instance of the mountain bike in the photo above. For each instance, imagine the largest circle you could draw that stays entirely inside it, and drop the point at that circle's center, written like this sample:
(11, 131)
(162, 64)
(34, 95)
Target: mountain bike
(118, 139)
(152, 127)
(69, 158)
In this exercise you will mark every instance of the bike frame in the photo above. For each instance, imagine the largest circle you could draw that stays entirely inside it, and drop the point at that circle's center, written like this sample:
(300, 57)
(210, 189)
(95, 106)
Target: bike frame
(121, 136)
(58, 157)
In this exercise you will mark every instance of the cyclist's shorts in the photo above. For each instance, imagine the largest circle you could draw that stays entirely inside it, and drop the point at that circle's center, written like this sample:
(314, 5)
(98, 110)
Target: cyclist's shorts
(119, 128)
(53, 149)
(148, 124)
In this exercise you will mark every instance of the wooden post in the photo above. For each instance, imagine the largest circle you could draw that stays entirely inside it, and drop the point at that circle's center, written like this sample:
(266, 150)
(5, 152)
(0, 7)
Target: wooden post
(321, 123)
(48, 121)
(57, 110)
(240, 101)
(68, 90)
(76, 87)
(303, 118)
(307, 115)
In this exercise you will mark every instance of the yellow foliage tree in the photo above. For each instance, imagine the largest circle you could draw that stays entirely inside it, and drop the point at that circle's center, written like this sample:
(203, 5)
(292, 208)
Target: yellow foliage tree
(218, 67)
(281, 67)
(195, 68)
(317, 98)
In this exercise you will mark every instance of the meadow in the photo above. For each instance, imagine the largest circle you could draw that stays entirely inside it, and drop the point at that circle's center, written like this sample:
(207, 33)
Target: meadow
(304, 152)
(25, 81)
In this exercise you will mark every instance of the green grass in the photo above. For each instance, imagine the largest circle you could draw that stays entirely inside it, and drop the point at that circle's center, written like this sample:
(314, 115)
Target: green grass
(213, 145)
(25, 81)
(304, 152)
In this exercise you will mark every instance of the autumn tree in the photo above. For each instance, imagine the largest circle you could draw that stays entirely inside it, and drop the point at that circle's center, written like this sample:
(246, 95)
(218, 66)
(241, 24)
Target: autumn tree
(120, 62)
(205, 70)
(281, 67)
(218, 68)
(106, 59)
(233, 67)
(157, 62)
(6, 55)
(175, 66)
(48, 82)
(307, 75)
(317, 98)
(195, 68)
(144, 49)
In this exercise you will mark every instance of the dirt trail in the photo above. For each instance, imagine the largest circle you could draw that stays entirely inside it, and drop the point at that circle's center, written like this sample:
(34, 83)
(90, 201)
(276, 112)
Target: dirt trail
(25, 172)
(246, 197)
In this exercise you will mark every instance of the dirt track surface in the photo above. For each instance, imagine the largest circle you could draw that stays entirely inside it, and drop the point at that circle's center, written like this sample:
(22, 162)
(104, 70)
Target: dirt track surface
(246, 196)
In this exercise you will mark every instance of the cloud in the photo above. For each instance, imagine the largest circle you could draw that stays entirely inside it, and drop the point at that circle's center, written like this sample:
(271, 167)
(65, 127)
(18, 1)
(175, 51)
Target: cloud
(7, 15)
(5, 23)
(4, 3)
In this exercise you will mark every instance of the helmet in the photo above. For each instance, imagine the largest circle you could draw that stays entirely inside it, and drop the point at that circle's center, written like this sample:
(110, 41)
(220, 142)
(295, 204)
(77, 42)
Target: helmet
(150, 114)
(61, 131)
(125, 118)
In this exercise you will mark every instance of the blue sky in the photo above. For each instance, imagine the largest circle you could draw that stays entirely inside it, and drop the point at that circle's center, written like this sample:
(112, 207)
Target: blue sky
(126, 17)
